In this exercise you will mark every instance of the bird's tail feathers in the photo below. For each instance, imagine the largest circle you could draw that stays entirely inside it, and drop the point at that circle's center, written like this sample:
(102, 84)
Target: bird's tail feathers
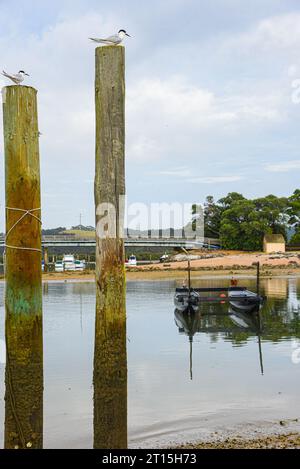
(98, 40)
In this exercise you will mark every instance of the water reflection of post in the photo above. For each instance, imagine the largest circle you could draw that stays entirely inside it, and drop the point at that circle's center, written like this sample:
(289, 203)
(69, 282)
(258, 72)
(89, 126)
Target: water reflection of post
(110, 384)
(110, 360)
(191, 357)
(81, 325)
(23, 294)
(24, 384)
(188, 322)
(259, 342)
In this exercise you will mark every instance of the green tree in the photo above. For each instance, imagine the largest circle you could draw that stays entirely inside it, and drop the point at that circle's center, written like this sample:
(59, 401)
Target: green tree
(242, 226)
(294, 212)
(230, 199)
(276, 211)
(212, 218)
(241, 223)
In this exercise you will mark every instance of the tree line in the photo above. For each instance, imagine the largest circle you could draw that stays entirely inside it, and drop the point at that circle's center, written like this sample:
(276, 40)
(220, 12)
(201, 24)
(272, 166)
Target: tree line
(241, 223)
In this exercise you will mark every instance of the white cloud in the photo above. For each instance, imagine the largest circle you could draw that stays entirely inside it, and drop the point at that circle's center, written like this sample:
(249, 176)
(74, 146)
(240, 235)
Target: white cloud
(214, 179)
(186, 175)
(274, 33)
(283, 167)
(293, 71)
(181, 171)
(169, 114)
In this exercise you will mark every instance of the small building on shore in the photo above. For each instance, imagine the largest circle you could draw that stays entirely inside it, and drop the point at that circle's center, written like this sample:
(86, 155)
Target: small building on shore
(274, 243)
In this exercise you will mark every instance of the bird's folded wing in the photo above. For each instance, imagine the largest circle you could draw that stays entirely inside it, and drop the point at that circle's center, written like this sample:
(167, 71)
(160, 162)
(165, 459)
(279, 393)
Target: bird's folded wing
(113, 38)
(95, 39)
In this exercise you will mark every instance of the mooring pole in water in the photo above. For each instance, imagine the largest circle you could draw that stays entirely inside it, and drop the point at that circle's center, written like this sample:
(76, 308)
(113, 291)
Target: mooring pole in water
(110, 360)
(258, 278)
(23, 295)
(189, 269)
(189, 275)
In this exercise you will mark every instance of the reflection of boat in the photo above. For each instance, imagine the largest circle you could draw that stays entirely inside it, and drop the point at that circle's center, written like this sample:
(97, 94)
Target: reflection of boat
(190, 322)
(187, 323)
(251, 321)
(244, 319)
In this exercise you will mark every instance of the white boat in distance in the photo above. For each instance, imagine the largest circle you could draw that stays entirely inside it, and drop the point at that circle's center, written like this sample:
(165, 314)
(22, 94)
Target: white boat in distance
(69, 263)
(132, 261)
(79, 265)
(59, 266)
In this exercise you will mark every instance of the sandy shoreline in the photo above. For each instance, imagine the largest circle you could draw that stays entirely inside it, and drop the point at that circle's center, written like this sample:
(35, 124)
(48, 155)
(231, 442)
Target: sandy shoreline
(221, 264)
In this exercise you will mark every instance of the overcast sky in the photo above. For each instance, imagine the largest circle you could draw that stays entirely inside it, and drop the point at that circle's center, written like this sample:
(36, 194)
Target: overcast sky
(209, 97)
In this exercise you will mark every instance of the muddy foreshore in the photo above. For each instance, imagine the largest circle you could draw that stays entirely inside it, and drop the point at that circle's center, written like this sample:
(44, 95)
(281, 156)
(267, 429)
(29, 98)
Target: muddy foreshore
(282, 434)
(286, 441)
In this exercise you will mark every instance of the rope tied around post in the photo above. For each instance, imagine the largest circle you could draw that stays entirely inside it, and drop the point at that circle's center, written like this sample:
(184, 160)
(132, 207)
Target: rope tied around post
(25, 214)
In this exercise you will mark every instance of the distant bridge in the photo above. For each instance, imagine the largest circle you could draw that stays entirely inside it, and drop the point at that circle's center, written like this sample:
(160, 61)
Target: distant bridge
(67, 241)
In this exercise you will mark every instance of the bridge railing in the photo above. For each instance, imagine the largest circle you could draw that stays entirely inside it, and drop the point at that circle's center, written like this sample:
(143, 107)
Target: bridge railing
(72, 238)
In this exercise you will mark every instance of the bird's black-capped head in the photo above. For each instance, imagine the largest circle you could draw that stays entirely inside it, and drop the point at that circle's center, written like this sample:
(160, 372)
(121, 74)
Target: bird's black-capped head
(122, 31)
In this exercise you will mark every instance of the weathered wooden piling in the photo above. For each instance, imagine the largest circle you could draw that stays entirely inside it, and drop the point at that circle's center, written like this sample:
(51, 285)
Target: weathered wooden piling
(110, 360)
(23, 296)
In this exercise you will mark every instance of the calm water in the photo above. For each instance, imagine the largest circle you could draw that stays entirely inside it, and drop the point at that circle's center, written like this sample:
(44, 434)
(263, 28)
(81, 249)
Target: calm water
(219, 351)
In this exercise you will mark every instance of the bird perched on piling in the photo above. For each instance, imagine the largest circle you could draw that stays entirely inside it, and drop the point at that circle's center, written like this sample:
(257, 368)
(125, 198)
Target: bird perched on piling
(113, 40)
(18, 78)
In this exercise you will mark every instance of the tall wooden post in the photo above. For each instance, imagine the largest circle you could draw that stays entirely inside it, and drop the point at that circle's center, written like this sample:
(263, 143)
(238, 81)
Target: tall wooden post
(110, 361)
(23, 296)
